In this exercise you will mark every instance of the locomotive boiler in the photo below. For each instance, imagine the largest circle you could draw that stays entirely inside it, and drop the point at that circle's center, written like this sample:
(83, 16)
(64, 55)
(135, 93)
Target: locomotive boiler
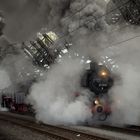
(97, 79)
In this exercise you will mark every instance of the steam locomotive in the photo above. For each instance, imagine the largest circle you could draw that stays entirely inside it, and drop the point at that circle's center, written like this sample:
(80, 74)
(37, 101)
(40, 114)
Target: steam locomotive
(98, 80)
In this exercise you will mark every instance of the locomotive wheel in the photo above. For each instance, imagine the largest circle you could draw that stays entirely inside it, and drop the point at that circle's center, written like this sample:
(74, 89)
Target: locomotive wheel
(102, 117)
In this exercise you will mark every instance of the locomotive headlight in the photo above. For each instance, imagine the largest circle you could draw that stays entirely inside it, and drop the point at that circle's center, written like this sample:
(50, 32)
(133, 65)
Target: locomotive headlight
(103, 73)
(96, 102)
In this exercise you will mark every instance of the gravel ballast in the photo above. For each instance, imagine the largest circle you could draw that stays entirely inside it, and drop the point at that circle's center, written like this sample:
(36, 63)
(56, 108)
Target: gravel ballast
(15, 132)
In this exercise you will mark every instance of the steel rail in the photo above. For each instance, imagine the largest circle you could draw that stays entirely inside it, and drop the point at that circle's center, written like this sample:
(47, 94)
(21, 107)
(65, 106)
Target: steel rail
(132, 130)
(57, 132)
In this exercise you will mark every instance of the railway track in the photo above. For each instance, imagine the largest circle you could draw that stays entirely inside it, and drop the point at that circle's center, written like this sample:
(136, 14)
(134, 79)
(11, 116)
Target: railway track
(67, 133)
(3, 137)
(114, 132)
(133, 130)
(56, 132)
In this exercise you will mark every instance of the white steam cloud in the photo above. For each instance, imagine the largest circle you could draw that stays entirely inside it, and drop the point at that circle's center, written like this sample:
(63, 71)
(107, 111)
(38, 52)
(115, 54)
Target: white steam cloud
(54, 99)
(126, 97)
(126, 91)
(4, 83)
(4, 79)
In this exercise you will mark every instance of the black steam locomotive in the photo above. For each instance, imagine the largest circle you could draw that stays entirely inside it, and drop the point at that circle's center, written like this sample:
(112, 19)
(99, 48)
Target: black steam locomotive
(98, 79)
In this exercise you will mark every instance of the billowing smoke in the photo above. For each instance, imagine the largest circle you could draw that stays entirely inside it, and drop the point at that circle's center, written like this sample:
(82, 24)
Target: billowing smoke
(17, 65)
(85, 27)
(126, 96)
(4, 79)
(4, 83)
(95, 39)
(25, 17)
(54, 99)
(125, 93)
